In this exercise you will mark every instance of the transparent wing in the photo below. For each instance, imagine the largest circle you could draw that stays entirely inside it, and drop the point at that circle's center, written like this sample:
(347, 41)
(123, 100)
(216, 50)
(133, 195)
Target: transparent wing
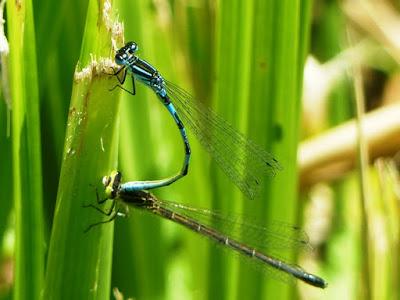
(252, 242)
(271, 240)
(243, 161)
(276, 236)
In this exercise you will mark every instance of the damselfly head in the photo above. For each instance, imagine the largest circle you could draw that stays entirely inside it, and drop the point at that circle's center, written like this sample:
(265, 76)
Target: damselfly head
(111, 183)
(125, 53)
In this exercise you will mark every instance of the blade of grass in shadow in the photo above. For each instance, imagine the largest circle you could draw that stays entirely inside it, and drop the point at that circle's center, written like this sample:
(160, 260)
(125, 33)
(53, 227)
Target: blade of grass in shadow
(56, 66)
(27, 173)
(6, 205)
(90, 152)
(5, 170)
(5, 138)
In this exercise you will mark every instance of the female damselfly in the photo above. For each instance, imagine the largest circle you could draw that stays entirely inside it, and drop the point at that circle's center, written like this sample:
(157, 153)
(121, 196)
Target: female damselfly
(202, 221)
(243, 161)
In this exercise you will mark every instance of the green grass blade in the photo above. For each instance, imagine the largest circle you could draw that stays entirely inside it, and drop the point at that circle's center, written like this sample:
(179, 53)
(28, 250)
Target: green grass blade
(27, 173)
(79, 264)
(289, 44)
(233, 66)
(5, 138)
(261, 73)
(6, 168)
(56, 65)
(6, 187)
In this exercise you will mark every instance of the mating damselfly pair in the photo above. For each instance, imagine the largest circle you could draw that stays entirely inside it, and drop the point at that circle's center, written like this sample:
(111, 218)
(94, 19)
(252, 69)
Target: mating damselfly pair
(242, 160)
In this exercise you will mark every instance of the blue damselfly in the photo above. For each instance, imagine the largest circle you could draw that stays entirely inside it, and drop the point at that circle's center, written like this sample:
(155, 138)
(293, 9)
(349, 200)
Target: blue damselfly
(243, 161)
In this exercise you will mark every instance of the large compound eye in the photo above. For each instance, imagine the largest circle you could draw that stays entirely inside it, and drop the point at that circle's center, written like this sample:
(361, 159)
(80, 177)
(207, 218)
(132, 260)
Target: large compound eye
(118, 59)
(133, 47)
(106, 180)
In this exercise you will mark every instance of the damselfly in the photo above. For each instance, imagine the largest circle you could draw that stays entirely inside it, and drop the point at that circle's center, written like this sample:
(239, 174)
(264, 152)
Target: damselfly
(243, 161)
(250, 240)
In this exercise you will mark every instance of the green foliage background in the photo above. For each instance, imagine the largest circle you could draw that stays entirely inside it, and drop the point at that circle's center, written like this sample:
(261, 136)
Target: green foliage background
(246, 60)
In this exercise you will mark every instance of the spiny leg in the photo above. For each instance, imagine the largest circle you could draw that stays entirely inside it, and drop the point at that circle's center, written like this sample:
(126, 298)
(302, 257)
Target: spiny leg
(106, 213)
(122, 80)
(124, 89)
(116, 73)
(113, 216)
(98, 200)
(111, 212)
